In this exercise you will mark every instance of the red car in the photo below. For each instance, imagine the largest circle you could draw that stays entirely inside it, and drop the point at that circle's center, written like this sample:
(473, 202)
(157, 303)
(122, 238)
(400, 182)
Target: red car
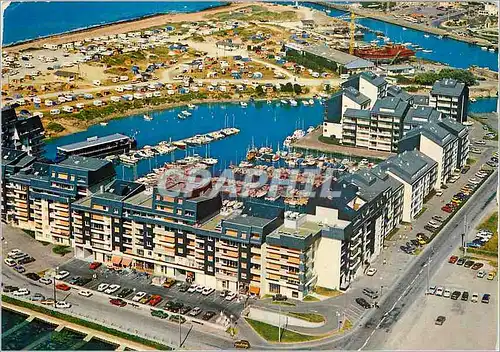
(63, 287)
(447, 209)
(453, 259)
(154, 300)
(118, 302)
(95, 265)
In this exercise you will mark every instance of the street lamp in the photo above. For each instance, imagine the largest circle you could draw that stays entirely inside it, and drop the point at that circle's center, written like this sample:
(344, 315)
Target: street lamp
(54, 285)
(339, 322)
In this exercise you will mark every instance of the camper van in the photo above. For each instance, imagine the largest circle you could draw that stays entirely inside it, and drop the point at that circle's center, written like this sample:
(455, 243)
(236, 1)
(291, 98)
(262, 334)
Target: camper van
(55, 112)
(67, 108)
(97, 102)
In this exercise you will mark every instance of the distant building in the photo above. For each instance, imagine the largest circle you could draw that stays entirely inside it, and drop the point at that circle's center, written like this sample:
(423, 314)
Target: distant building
(22, 133)
(99, 146)
(451, 97)
(394, 70)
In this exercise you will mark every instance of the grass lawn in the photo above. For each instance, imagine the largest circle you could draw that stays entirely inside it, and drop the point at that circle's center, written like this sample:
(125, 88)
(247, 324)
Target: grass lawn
(310, 298)
(326, 291)
(310, 317)
(270, 333)
(62, 250)
(491, 224)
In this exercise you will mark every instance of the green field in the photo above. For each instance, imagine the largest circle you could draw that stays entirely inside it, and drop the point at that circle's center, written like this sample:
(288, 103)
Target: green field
(270, 333)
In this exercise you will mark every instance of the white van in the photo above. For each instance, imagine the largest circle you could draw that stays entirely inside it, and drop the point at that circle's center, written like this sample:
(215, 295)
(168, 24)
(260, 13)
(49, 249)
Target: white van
(37, 100)
(55, 112)
(38, 113)
(123, 78)
(157, 94)
(67, 108)
(115, 99)
(49, 102)
(96, 83)
(61, 99)
(79, 106)
(97, 102)
(138, 96)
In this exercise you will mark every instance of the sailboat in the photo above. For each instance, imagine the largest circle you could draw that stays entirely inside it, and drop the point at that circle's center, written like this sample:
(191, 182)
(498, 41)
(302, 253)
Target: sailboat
(147, 117)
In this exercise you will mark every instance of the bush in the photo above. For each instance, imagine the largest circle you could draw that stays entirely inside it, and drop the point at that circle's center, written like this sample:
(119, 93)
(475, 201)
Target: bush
(62, 250)
(54, 126)
(428, 78)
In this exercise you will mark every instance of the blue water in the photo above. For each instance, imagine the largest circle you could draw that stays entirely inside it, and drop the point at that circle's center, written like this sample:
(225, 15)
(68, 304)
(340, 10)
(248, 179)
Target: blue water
(266, 124)
(484, 105)
(448, 51)
(29, 20)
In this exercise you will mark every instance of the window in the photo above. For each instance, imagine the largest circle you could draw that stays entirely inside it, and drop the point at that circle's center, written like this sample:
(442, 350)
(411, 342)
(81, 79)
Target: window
(295, 294)
(274, 288)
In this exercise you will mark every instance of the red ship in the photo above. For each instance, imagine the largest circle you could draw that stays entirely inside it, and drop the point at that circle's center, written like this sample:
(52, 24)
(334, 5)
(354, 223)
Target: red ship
(385, 53)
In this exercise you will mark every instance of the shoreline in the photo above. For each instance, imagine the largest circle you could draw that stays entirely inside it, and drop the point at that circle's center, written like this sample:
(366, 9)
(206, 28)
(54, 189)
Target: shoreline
(117, 27)
(402, 23)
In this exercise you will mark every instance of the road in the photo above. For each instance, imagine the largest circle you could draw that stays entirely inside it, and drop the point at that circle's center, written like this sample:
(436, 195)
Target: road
(137, 321)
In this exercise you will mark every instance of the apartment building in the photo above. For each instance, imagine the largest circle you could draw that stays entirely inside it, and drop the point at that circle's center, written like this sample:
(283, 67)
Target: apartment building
(438, 144)
(461, 132)
(418, 174)
(22, 133)
(450, 97)
(368, 84)
(420, 116)
(38, 197)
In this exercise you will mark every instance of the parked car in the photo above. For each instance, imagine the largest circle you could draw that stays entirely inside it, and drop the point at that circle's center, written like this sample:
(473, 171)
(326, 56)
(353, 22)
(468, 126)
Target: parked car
(45, 280)
(455, 295)
(231, 295)
(85, 293)
(10, 288)
(475, 297)
(439, 291)
(486, 298)
(21, 292)
(491, 275)
(63, 305)
(461, 261)
(154, 300)
(112, 289)
(363, 303)
(20, 269)
(102, 287)
(370, 293)
(118, 302)
(446, 293)
(184, 287)
(124, 292)
(63, 287)
(169, 283)
(192, 289)
(94, 265)
(13, 252)
(440, 320)
(453, 259)
(465, 296)
(208, 315)
(279, 297)
(481, 274)
(138, 296)
(26, 260)
(37, 297)
(184, 310)
(62, 275)
(207, 291)
(223, 293)
(145, 299)
(468, 263)
(33, 276)
(10, 262)
(371, 271)
(477, 266)
(195, 311)
(431, 290)
(242, 344)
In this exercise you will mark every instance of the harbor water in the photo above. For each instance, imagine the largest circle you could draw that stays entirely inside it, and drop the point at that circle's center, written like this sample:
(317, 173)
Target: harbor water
(19, 334)
(30, 20)
(260, 124)
(448, 51)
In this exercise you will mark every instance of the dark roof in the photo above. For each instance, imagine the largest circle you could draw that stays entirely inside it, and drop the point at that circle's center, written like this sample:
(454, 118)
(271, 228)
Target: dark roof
(390, 106)
(421, 115)
(93, 141)
(374, 79)
(409, 165)
(398, 92)
(333, 108)
(356, 96)
(83, 163)
(65, 73)
(29, 124)
(357, 113)
(420, 99)
(369, 185)
(448, 87)
(451, 125)
(432, 131)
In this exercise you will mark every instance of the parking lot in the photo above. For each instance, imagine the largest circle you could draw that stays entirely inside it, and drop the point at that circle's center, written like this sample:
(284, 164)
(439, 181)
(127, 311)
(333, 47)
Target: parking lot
(468, 325)
(139, 282)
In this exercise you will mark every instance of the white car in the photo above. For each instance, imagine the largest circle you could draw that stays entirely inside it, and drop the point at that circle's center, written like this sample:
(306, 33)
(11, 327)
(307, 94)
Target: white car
(85, 293)
(207, 290)
(63, 304)
(200, 289)
(481, 274)
(371, 271)
(447, 293)
(230, 296)
(192, 289)
(475, 297)
(62, 274)
(102, 287)
(112, 289)
(10, 262)
(13, 252)
(21, 292)
(138, 296)
(439, 193)
(45, 281)
(439, 291)
(195, 311)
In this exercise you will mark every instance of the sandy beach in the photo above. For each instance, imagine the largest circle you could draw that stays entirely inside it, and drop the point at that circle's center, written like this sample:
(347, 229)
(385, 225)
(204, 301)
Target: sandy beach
(123, 27)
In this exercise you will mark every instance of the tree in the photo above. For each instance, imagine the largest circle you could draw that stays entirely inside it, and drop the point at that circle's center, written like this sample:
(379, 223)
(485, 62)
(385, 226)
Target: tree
(287, 87)
(297, 88)
(259, 90)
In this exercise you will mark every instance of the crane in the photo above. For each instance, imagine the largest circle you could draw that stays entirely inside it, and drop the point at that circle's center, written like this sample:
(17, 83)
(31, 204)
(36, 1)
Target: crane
(352, 29)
